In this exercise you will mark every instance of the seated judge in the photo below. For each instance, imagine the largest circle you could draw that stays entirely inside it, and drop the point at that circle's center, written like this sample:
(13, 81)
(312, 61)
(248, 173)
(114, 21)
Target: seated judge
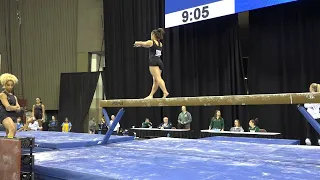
(166, 124)
(253, 125)
(237, 126)
(217, 122)
(146, 123)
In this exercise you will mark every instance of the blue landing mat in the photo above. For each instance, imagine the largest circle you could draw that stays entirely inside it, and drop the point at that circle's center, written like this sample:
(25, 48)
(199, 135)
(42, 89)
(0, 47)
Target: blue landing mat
(172, 158)
(254, 140)
(60, 140)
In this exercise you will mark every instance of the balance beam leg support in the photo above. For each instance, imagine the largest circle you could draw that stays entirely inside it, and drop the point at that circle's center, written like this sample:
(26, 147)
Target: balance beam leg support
(309, 118)
(106, 116)
(113, 125)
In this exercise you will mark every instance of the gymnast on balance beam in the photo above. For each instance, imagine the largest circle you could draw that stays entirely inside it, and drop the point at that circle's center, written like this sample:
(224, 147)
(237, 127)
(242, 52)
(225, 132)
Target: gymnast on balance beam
(9, 106)
(155, 63)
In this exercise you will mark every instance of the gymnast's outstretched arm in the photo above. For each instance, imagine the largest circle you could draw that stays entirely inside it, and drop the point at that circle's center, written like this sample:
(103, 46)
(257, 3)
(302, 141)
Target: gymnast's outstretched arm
(145, 44)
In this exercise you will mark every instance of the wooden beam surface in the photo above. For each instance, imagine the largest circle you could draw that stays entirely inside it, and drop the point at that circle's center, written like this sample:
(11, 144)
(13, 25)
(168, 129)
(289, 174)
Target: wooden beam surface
(257, 99)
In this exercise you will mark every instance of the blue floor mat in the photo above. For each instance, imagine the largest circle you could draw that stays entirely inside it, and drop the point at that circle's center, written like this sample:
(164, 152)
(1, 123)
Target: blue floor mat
(60, 140)
(172, 158)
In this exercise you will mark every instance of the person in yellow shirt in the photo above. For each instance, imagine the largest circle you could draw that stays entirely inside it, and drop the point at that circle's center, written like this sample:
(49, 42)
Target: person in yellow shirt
(66, 126)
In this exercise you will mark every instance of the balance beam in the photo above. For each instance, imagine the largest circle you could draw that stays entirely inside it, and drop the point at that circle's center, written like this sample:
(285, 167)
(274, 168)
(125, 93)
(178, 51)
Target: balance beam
(257, 99)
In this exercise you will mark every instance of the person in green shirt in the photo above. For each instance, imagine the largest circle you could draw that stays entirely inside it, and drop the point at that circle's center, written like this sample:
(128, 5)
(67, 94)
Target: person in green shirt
(146, 123)
(184, 119)
(252, 125)
(217, 122)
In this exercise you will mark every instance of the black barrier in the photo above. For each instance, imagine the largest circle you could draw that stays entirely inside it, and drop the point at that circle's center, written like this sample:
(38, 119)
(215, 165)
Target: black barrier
(27, 158)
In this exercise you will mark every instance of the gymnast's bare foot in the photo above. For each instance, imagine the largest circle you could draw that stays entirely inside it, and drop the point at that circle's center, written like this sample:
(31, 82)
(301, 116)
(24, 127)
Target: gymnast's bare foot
(149, 97)
(165, 95)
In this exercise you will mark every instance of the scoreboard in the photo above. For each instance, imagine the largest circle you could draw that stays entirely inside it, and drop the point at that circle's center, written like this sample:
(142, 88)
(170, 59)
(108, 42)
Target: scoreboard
(179, 12)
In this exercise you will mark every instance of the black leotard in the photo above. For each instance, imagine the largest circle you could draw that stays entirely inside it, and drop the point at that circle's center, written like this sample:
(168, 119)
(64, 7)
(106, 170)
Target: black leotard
(154, 55)
(3, 112)
(38, 111)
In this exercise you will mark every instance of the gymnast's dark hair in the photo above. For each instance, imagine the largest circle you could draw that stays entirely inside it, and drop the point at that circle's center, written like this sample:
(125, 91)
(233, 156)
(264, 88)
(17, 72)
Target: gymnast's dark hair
(159, 33)
(39, 99)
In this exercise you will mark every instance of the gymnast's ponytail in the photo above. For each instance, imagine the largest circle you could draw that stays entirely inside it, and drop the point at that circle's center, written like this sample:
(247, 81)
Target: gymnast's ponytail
(159, 33)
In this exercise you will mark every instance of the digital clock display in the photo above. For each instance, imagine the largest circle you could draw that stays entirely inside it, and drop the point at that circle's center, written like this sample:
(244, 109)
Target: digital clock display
(179, 12)
(198, 13)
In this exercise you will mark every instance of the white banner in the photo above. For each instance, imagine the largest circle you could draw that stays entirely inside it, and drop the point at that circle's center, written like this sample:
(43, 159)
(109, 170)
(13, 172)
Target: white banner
(200, 13)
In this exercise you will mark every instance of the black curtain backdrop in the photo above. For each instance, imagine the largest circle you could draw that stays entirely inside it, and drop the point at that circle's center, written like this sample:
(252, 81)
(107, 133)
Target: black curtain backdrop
(76, 93)
(284, 57)
(199, 59)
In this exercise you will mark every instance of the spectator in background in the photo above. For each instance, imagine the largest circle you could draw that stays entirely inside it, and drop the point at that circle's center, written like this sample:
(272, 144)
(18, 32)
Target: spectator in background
(184, 119)
(28, 115)
(29, 119)
(166, 124)
(92, 125)
(146, 123)
(217, 122)
(53, 124)
(38, 110)
(34, 125)
(19, 124)
(237, 126)
(66, 125)
(102, 124)
(116, 130)
(24, 115)
(253, 125)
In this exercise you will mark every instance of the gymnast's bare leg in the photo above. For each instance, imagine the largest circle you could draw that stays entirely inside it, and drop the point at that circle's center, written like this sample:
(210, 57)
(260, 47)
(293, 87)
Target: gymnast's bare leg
(10, 127)
(154, 89)
(156, 74)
